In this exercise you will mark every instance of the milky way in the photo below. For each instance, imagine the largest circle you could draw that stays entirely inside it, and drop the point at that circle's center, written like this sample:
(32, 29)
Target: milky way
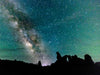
(24, 32)
(33, 30)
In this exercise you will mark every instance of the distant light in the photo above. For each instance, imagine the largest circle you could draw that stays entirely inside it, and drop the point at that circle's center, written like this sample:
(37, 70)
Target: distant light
(44, 64)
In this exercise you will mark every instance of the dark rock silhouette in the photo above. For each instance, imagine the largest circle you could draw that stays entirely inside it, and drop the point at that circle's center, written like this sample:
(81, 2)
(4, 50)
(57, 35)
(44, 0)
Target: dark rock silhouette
(58, 56)
(67, 64)
(39, 63)
(88, 59)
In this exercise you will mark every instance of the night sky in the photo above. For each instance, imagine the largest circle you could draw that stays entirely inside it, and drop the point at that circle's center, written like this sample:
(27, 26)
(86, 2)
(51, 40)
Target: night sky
(33, 30)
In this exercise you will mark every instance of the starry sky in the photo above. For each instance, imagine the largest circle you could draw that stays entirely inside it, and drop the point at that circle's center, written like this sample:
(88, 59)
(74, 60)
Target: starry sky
(33, 30)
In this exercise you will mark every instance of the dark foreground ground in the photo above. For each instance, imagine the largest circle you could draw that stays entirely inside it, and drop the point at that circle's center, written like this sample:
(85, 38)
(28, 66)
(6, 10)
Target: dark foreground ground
(65, 65)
